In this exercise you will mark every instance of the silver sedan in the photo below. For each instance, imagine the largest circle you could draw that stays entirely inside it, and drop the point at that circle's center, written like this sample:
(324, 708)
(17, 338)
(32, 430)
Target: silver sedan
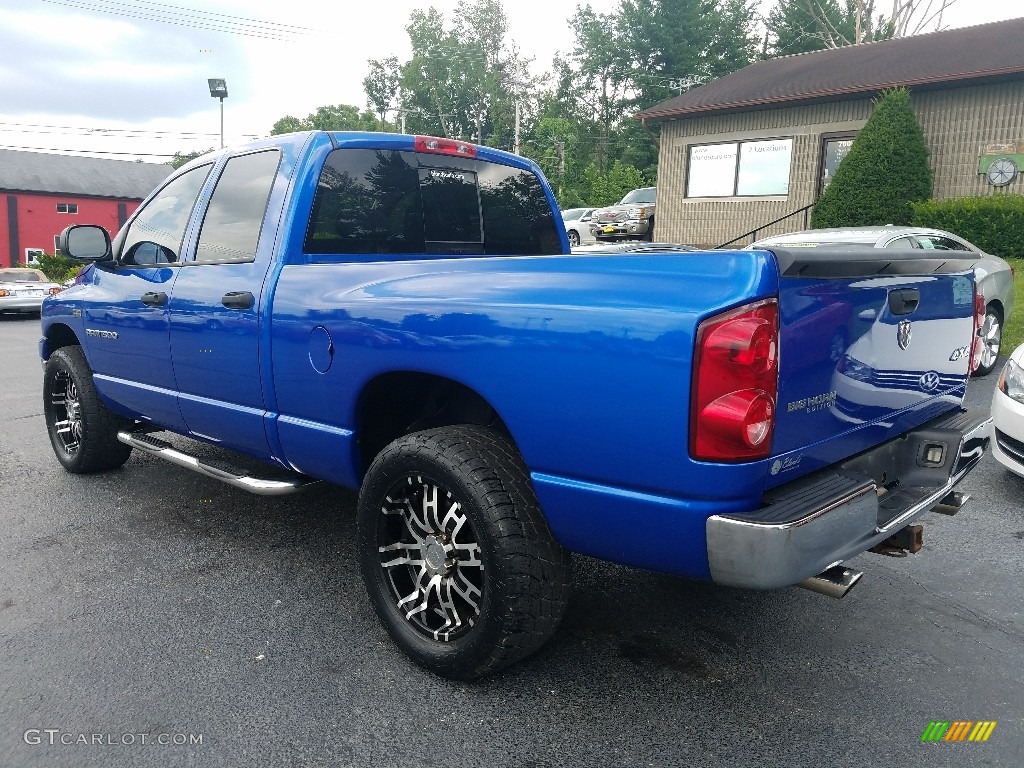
(23, 289)
(993, 275)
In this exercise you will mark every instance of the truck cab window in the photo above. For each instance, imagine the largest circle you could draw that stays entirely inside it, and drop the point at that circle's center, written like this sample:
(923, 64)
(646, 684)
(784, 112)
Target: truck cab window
(398, 202)
(231, 227)
(161, 222)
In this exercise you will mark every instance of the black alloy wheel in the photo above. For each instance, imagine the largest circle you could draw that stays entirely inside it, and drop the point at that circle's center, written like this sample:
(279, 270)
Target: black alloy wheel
(83, 431)
(457, 558)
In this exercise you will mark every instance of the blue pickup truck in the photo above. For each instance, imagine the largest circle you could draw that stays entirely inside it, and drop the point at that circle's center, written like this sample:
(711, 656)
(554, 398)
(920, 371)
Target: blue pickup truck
(402, 315)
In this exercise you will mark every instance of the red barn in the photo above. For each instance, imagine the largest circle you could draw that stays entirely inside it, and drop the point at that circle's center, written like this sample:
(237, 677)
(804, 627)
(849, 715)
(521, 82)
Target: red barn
(41, 193)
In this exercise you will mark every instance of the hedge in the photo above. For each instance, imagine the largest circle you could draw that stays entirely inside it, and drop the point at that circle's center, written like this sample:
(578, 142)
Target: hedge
(994, 223)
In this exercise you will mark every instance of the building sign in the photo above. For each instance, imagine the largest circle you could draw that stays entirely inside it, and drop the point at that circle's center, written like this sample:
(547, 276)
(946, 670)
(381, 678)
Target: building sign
(712, 170)
(764, 167)
(739, 169)
(1013, 150)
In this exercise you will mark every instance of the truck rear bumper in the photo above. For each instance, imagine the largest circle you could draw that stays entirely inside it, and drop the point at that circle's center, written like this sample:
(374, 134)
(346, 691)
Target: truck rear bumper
(807, 526)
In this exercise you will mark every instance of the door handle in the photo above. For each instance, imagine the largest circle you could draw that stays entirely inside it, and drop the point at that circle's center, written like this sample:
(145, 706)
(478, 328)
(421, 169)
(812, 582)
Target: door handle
(238, 300)
(904, 302)
(154, 298)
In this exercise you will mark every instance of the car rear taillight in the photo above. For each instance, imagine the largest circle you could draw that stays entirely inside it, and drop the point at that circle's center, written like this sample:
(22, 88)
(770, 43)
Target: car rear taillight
(979, 320)
(735, 384)
(55, 290)
(438, 146)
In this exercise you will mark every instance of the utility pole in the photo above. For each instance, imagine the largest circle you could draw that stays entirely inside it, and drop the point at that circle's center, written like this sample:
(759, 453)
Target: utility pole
(561, 166)
(515, 146)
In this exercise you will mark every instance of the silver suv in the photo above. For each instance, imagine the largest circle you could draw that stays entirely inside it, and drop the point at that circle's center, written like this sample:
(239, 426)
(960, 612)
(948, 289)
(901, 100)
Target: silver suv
(631, 218)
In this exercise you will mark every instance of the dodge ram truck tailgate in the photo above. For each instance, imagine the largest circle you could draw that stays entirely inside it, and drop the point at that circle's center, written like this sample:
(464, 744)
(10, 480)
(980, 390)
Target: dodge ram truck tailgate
(870, 347)
(873, 359)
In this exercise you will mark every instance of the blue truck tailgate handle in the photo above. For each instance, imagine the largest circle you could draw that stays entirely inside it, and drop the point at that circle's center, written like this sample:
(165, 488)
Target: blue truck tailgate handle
(154, 298)
(905, 301)
(238, 300)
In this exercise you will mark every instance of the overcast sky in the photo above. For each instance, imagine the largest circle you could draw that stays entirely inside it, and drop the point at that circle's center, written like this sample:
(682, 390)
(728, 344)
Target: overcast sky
(111, 75)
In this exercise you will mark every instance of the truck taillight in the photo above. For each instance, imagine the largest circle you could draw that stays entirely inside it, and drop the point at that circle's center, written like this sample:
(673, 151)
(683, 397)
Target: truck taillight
(735, 384)
(438, 146)
(980, 311)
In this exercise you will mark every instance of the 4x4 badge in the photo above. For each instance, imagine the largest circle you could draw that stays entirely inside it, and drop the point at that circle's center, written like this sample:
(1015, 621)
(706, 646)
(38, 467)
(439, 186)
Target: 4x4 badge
(903, 334)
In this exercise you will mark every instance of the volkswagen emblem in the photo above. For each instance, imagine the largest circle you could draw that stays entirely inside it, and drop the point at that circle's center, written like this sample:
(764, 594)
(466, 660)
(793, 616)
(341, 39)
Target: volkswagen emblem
(903, 334)
(929, 381)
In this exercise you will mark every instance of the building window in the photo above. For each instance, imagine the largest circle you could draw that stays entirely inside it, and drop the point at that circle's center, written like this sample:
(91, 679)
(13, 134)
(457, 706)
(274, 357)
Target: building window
(739, 168)
(833, 150)
(67, 207)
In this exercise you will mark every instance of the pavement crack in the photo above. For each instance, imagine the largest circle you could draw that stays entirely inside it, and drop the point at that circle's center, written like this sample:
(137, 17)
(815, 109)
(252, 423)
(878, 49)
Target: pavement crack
(29, 416)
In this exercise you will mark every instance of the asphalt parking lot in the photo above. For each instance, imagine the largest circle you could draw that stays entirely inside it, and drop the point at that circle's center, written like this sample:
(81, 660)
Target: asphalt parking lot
(152, 605)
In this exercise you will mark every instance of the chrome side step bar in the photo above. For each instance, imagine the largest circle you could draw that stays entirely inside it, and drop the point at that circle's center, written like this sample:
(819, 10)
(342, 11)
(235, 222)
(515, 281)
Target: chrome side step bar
(833, 582)
(219, 470)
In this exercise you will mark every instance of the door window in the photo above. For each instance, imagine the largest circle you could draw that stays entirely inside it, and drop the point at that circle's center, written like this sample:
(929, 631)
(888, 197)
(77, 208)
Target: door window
(231, 227)
(901, 244)
(939, 243)
(161, 223)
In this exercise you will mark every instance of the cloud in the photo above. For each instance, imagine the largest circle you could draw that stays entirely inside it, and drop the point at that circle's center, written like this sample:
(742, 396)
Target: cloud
(62, 61)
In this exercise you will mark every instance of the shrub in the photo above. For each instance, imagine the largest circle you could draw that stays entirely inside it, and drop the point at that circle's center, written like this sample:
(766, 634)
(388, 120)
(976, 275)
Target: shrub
(56, 267)
(885, 170)
(994, 223)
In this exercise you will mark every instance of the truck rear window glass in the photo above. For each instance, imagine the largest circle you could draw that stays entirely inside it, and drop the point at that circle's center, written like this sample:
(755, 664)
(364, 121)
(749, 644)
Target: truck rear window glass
(389, 202)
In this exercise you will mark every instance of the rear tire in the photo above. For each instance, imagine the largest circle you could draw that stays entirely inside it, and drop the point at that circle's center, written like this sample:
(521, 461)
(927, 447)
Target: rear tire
(83, 431)
(458, 561)
(574, 238)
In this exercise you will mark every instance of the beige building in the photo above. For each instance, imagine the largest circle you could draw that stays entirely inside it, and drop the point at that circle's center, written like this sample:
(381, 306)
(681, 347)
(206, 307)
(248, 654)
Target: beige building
(757, 146)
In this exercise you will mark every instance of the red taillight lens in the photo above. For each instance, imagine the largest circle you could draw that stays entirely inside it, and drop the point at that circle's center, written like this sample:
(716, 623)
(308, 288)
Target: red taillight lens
(980, 311)
(55, 290)
(735, 384)
(438, 146)
(5, 292)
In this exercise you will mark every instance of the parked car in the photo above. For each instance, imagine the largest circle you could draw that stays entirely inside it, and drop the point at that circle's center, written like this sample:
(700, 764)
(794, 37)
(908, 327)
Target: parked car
(23, 289)
(993, 275)
(632, 218)
(1008, 414)
(577, 226)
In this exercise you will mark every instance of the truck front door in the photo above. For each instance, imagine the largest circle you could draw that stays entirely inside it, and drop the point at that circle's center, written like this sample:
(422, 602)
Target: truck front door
(126, 316)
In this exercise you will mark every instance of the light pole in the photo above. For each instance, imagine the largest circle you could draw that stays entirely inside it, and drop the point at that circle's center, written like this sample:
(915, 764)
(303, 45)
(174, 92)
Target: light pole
(219, 90)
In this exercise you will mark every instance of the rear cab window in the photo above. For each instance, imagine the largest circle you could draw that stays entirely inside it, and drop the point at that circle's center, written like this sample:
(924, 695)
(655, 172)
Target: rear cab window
(406, 203)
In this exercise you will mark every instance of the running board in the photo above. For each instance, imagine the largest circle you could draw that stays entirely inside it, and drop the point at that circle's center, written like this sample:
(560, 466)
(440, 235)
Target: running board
(216, 469)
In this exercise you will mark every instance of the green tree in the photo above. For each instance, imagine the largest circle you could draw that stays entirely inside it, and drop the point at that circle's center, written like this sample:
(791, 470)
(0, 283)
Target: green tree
(181, 158)
(332, 117)
(381, 85)
(799, 26)
(884, 172)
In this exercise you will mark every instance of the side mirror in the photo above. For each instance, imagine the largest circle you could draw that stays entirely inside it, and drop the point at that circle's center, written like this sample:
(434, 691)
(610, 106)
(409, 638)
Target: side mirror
(85, 242)
(147, 254)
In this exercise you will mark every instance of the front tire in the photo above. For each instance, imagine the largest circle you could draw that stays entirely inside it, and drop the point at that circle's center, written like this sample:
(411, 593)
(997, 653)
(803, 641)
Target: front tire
(574, 238)
(458, 561)
(83, 431)
(991, 334)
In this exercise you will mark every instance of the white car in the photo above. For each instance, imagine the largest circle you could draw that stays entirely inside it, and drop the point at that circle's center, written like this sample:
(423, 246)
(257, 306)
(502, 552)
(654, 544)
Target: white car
(1008, 414)
(23, 289)
(577, 226)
